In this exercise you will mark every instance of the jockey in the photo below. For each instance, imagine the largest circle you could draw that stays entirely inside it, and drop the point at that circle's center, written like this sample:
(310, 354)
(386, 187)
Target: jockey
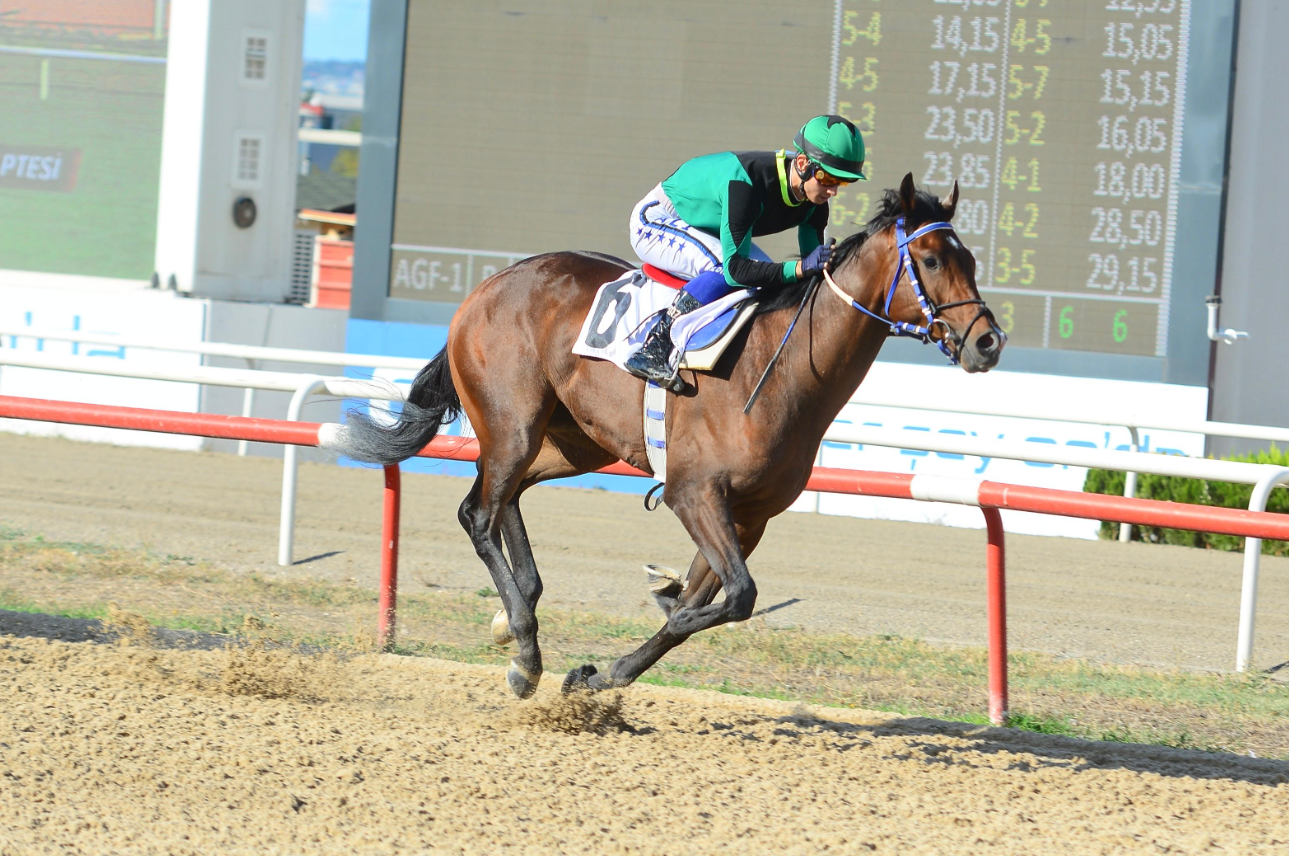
(699, 223)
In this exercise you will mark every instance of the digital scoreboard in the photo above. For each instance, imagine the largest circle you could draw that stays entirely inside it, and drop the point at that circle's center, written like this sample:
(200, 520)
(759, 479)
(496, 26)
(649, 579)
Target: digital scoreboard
(1087, 138)
(1061, 123)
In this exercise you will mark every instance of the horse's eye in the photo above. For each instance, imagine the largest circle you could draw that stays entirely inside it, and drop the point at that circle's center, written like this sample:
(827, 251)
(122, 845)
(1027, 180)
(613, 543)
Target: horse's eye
(931, 262)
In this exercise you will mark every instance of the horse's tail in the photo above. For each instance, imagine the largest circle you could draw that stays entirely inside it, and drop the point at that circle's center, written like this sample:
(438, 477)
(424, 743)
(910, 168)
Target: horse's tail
(431, 403)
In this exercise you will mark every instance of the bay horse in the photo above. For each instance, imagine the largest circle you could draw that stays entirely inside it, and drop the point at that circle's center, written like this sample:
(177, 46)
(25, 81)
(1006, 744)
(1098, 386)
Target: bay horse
(540, 412)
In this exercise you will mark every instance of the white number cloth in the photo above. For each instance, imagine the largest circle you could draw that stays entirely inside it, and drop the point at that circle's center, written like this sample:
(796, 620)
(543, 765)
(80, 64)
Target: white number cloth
(624, 310)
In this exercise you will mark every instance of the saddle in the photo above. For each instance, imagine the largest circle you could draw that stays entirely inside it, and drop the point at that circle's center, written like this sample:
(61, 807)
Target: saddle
(705, 345)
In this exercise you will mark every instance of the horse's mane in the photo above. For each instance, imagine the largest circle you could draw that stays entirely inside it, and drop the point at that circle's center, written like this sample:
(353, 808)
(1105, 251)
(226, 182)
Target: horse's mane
(926, 208)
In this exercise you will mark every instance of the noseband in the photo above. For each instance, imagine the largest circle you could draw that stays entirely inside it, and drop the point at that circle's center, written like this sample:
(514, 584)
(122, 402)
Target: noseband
(929, 308)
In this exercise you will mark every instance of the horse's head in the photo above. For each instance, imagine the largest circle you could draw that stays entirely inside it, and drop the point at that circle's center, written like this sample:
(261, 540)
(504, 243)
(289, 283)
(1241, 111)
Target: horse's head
(946, 270)
(930, 291)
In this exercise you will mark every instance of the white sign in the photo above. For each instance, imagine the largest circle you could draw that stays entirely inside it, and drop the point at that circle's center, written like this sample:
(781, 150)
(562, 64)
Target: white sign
(951, 388)
(136, 314)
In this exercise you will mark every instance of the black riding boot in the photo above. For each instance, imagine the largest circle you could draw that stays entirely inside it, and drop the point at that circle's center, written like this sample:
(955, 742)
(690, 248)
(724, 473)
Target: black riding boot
(652, 362)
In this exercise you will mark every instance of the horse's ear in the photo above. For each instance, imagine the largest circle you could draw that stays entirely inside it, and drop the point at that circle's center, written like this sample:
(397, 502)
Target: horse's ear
(908, 194)
(951, 204)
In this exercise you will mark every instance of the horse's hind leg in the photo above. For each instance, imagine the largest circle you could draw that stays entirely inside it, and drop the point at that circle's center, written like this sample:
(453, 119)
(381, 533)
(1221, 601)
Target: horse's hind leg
(522, 565)
(525, 456)
(562, 454)
(490, 512)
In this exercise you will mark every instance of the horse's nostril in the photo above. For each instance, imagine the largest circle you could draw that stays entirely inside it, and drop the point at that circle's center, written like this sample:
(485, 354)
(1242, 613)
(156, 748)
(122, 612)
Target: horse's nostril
(986, 343)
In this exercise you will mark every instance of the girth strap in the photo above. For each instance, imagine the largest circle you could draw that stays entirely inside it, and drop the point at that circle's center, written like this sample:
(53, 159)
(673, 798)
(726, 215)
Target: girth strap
(655, 429)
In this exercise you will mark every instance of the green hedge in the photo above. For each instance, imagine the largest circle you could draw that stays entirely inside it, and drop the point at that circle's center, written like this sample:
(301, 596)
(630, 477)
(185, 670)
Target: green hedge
(1197, 492)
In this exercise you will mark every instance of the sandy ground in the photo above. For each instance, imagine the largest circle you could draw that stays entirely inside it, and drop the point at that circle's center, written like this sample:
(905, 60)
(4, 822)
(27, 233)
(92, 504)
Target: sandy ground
(140, 748)
(107, 748)
(1104, 601)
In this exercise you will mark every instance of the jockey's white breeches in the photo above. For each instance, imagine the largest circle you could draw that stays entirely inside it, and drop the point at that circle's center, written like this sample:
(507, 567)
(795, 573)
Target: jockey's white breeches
(665, 241)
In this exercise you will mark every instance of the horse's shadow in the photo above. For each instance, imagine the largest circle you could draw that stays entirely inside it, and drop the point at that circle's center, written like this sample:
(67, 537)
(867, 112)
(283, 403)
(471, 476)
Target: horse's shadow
(940, 744)
(63, 629)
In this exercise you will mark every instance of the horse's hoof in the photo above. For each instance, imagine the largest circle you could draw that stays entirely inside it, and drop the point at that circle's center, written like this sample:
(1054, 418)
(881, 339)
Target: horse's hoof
(664, 581)
(666, 586)
(579, 680)
(522, 682)
(501, 629)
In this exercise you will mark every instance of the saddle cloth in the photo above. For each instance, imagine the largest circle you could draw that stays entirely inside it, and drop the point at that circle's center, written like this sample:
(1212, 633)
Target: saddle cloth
(625, 310)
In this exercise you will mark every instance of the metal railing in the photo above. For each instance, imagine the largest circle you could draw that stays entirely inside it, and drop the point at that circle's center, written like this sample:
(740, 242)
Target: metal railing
(1133, 422)
(1263, 477)
(990, 497)
(301, 387)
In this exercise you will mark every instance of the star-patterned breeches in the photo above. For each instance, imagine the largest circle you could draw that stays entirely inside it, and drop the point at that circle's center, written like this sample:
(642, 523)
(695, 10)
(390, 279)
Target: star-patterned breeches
(665, 241)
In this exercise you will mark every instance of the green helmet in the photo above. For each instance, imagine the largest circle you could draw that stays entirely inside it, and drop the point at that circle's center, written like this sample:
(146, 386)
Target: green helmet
(835, 144)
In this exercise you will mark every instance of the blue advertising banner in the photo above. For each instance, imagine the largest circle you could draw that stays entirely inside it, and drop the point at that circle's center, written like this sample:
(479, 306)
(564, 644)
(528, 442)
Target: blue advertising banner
(397, 339)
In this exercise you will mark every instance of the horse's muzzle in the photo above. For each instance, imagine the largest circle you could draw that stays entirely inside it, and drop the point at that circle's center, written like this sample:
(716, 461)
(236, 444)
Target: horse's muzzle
(981, 353)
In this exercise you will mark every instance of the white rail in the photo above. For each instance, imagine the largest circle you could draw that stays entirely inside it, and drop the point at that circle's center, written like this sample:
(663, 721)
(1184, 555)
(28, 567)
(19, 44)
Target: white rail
(1133, 422)
(1044, 453)
(250, 353)
(309, 385)
(207, 375)
(1264, 478)
(1083, 416)
(222, 349)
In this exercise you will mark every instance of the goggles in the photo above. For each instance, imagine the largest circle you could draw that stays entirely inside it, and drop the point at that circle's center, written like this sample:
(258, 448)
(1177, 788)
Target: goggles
(826, 178)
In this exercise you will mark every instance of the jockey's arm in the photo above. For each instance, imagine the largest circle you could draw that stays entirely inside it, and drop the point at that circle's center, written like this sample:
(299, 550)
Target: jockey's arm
(740, 211)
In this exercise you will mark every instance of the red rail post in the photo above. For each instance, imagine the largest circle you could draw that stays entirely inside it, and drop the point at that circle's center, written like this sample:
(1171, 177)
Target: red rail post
(386, 621)
(996, 612)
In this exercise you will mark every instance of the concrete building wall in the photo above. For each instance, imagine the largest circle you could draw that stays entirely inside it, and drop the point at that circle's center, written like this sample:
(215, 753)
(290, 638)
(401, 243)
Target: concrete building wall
(230, 134)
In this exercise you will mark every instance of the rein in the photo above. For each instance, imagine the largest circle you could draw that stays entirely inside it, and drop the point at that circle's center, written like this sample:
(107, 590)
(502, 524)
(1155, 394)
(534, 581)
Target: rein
(929, 309)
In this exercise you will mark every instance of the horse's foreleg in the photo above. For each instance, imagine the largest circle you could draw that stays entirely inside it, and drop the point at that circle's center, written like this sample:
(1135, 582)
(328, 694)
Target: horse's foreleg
(695, 610)
(720, 563)
(697, 588)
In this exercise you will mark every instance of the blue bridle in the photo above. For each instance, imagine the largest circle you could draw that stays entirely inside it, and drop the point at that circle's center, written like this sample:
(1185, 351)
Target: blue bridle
(929, 309)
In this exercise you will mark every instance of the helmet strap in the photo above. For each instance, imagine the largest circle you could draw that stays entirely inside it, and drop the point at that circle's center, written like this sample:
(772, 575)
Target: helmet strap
(801, 174)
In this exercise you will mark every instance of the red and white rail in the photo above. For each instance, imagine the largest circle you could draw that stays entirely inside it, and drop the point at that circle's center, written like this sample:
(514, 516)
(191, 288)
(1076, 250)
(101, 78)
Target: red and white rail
(990, 497)
(1263, 477)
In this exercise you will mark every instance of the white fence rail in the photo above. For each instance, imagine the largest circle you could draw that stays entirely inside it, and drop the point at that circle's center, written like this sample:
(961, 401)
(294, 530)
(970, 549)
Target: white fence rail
(221, 349)
(1133, 422)
(1264, 478)
(253, 354)
(301, 386)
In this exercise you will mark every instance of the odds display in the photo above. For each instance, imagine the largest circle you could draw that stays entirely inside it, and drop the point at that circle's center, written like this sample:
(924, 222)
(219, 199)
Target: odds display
(1061, 123)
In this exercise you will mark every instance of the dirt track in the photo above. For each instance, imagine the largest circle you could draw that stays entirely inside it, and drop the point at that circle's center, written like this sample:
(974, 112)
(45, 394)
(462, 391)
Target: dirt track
(107, 749)
(129, 750)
